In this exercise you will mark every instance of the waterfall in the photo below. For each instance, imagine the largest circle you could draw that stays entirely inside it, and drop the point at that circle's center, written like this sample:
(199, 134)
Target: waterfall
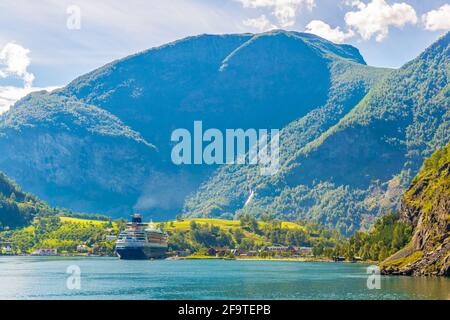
(250, 198)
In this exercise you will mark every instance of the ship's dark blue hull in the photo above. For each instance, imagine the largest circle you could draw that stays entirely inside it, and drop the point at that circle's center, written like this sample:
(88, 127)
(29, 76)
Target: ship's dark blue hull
(141, 253)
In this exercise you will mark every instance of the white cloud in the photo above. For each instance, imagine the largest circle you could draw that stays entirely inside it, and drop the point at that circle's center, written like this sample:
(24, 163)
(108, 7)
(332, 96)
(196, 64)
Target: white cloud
(261, 23)
(375, 18)
(285, 11)
(354, 3)
(437, 19)
(10, 95)
(14, 61)
(324, 30)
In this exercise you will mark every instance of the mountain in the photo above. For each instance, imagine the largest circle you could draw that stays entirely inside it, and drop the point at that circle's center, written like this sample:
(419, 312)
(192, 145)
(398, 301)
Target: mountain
(426, 208)
(346, 173)
(68, 152)
(102, 143)
(18, 208)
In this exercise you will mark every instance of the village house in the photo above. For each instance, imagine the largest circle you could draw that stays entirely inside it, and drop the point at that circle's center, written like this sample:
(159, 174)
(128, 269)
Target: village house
(221, 252)
(5, 247)
(45, 252)
(304, 251)
(281, 249)
(82, 248)
(253, 253)
(238, 252)
(183, 253)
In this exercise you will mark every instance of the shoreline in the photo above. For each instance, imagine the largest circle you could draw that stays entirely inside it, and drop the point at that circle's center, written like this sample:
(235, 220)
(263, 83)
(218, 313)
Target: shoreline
(326, 260)
(198, 258)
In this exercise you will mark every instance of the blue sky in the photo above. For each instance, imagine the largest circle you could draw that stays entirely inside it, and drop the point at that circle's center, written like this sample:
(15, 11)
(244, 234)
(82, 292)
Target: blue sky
(37, 49)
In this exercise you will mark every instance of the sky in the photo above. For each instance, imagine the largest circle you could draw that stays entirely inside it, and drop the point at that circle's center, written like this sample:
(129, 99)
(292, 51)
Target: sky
(44, 44)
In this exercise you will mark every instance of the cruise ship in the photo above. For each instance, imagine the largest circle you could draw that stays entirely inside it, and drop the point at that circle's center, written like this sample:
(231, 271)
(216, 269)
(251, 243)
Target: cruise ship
(141, 241)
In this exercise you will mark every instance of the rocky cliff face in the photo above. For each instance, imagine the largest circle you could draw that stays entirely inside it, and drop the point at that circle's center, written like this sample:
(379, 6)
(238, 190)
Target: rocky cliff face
(426, 207)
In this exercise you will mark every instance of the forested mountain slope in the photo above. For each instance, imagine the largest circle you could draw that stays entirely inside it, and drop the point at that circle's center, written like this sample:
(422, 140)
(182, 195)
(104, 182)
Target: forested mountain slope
(17, 208)
(358, 168)
(102, 144)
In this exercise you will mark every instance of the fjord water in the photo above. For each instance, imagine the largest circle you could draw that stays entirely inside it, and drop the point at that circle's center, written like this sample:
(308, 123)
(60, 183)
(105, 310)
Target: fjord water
(110, 278)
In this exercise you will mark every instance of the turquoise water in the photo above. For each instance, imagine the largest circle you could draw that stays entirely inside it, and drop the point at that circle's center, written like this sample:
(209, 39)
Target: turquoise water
(110, 278)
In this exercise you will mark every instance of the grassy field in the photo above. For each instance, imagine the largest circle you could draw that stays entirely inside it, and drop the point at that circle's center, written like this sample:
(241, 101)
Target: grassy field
(184, 225)
(223, 224)
(82, 221)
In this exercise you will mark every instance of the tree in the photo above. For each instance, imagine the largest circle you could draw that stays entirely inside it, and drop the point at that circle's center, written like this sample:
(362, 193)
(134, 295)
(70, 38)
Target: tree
(350, 253)
(23, 241)
(121, 224)
(247, 244)
(249, 223)
(383, 254)
(318, 250)
(238, 236)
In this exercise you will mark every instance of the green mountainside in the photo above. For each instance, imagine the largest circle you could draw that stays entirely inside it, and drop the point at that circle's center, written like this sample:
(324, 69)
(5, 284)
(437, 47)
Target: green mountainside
(352, 136)
(102, 143)
(354, 170)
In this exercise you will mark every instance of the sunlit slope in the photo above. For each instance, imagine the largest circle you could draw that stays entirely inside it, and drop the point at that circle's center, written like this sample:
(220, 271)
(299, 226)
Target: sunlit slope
(346, 173)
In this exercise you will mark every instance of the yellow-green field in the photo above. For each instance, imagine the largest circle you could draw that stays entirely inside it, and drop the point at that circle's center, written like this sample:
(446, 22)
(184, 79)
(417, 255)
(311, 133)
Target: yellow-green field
(221, 223)
(82, 221)
(184, 225)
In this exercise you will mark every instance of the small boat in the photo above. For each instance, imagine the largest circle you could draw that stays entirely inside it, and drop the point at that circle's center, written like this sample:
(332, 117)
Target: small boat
(338, 259)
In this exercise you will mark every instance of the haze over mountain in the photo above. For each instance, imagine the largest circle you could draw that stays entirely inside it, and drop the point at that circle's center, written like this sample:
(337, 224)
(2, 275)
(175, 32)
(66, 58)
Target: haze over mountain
(102, 144)
(347, 173)
(71, 153)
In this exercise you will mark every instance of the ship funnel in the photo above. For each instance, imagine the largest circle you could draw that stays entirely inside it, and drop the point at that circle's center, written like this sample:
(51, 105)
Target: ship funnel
(137, 218)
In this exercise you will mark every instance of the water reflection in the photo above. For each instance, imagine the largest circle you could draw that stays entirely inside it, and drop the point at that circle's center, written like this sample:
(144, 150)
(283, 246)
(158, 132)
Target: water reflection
(109, 278)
